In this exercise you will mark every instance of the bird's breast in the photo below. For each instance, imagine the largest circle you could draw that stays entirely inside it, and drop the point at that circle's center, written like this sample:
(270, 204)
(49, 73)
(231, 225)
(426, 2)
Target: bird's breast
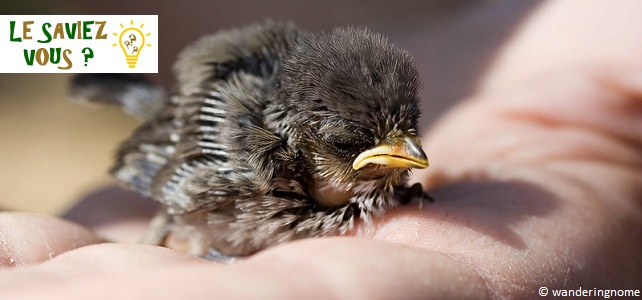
(329, 193)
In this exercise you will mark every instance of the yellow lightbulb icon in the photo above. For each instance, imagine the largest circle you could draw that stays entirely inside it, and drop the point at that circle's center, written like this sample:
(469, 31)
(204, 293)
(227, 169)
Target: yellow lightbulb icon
(131, 40)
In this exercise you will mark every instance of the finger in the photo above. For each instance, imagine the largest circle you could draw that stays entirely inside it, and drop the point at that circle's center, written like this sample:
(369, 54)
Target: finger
(27, 239)
(545, 190)
(343, 268)
(566, 34)
(100, 271)
(366, 269)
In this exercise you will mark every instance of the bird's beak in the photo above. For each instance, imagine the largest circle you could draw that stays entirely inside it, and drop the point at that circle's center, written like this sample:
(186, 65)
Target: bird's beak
(401, 152)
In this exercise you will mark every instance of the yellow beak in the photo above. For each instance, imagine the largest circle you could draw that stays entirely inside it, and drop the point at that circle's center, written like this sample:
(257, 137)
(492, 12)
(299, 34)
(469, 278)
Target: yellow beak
(402, 152)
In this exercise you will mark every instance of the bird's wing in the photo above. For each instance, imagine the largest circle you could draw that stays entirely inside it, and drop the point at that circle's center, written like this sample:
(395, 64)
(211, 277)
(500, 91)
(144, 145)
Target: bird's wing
(254, 49)
(204, 149)
(136, 95)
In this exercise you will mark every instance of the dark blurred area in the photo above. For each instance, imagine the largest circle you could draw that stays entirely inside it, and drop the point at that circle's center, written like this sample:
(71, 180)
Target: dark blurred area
(54, 151)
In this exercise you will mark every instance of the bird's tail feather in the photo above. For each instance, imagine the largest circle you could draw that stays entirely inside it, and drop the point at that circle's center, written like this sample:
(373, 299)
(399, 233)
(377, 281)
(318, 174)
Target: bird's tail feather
(136, 95)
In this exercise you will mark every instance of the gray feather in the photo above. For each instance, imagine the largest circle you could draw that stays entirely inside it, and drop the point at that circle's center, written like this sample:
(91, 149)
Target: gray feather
(136, 95)
(260, 118)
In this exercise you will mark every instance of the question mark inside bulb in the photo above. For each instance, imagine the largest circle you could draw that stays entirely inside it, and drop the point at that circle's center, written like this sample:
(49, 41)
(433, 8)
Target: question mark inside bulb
(131, 42)
(89, 54)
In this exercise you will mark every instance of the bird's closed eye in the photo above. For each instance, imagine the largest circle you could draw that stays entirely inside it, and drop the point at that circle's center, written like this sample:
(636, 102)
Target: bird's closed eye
(347, 145)
(341, 145)
(346, 140)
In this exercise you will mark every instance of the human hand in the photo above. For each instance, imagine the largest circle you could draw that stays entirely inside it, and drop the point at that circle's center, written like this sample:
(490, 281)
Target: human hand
(537, 181)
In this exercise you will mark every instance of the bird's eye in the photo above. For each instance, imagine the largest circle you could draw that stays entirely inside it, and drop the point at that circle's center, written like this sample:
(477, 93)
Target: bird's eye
(342, 145)
(346, 145)
(346, 140)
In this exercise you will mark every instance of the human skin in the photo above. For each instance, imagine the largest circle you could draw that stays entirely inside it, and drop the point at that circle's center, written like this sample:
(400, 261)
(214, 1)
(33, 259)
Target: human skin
(537, 180)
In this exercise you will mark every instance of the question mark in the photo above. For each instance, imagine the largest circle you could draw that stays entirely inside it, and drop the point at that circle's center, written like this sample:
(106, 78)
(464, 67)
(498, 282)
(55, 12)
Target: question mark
(132, 38)
(88, 55)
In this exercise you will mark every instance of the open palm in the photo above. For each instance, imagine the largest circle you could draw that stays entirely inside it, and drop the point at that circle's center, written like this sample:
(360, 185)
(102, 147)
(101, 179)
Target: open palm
(537, 181)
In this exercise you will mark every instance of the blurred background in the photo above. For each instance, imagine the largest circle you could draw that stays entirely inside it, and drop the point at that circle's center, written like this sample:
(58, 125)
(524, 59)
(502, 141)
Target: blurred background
(54, 152)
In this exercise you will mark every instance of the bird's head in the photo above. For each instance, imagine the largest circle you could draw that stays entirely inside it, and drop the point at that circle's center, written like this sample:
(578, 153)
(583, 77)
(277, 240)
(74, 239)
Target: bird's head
(353, 108)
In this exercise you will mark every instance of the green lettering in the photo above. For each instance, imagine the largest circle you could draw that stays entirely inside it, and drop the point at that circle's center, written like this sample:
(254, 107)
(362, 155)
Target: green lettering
(70, 31)
(46, 32)
(54, 58)
(29, 58)
(11, 37)
(86, 30)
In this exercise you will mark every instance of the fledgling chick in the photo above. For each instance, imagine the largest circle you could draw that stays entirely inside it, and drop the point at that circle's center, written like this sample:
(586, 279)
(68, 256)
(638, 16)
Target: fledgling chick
(274, 135)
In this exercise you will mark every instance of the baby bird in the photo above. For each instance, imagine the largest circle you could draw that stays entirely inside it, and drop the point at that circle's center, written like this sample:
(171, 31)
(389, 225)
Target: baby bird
(272, 135)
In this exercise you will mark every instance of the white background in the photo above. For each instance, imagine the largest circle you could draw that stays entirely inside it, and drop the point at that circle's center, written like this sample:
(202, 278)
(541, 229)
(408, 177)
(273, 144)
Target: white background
(107, 58)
